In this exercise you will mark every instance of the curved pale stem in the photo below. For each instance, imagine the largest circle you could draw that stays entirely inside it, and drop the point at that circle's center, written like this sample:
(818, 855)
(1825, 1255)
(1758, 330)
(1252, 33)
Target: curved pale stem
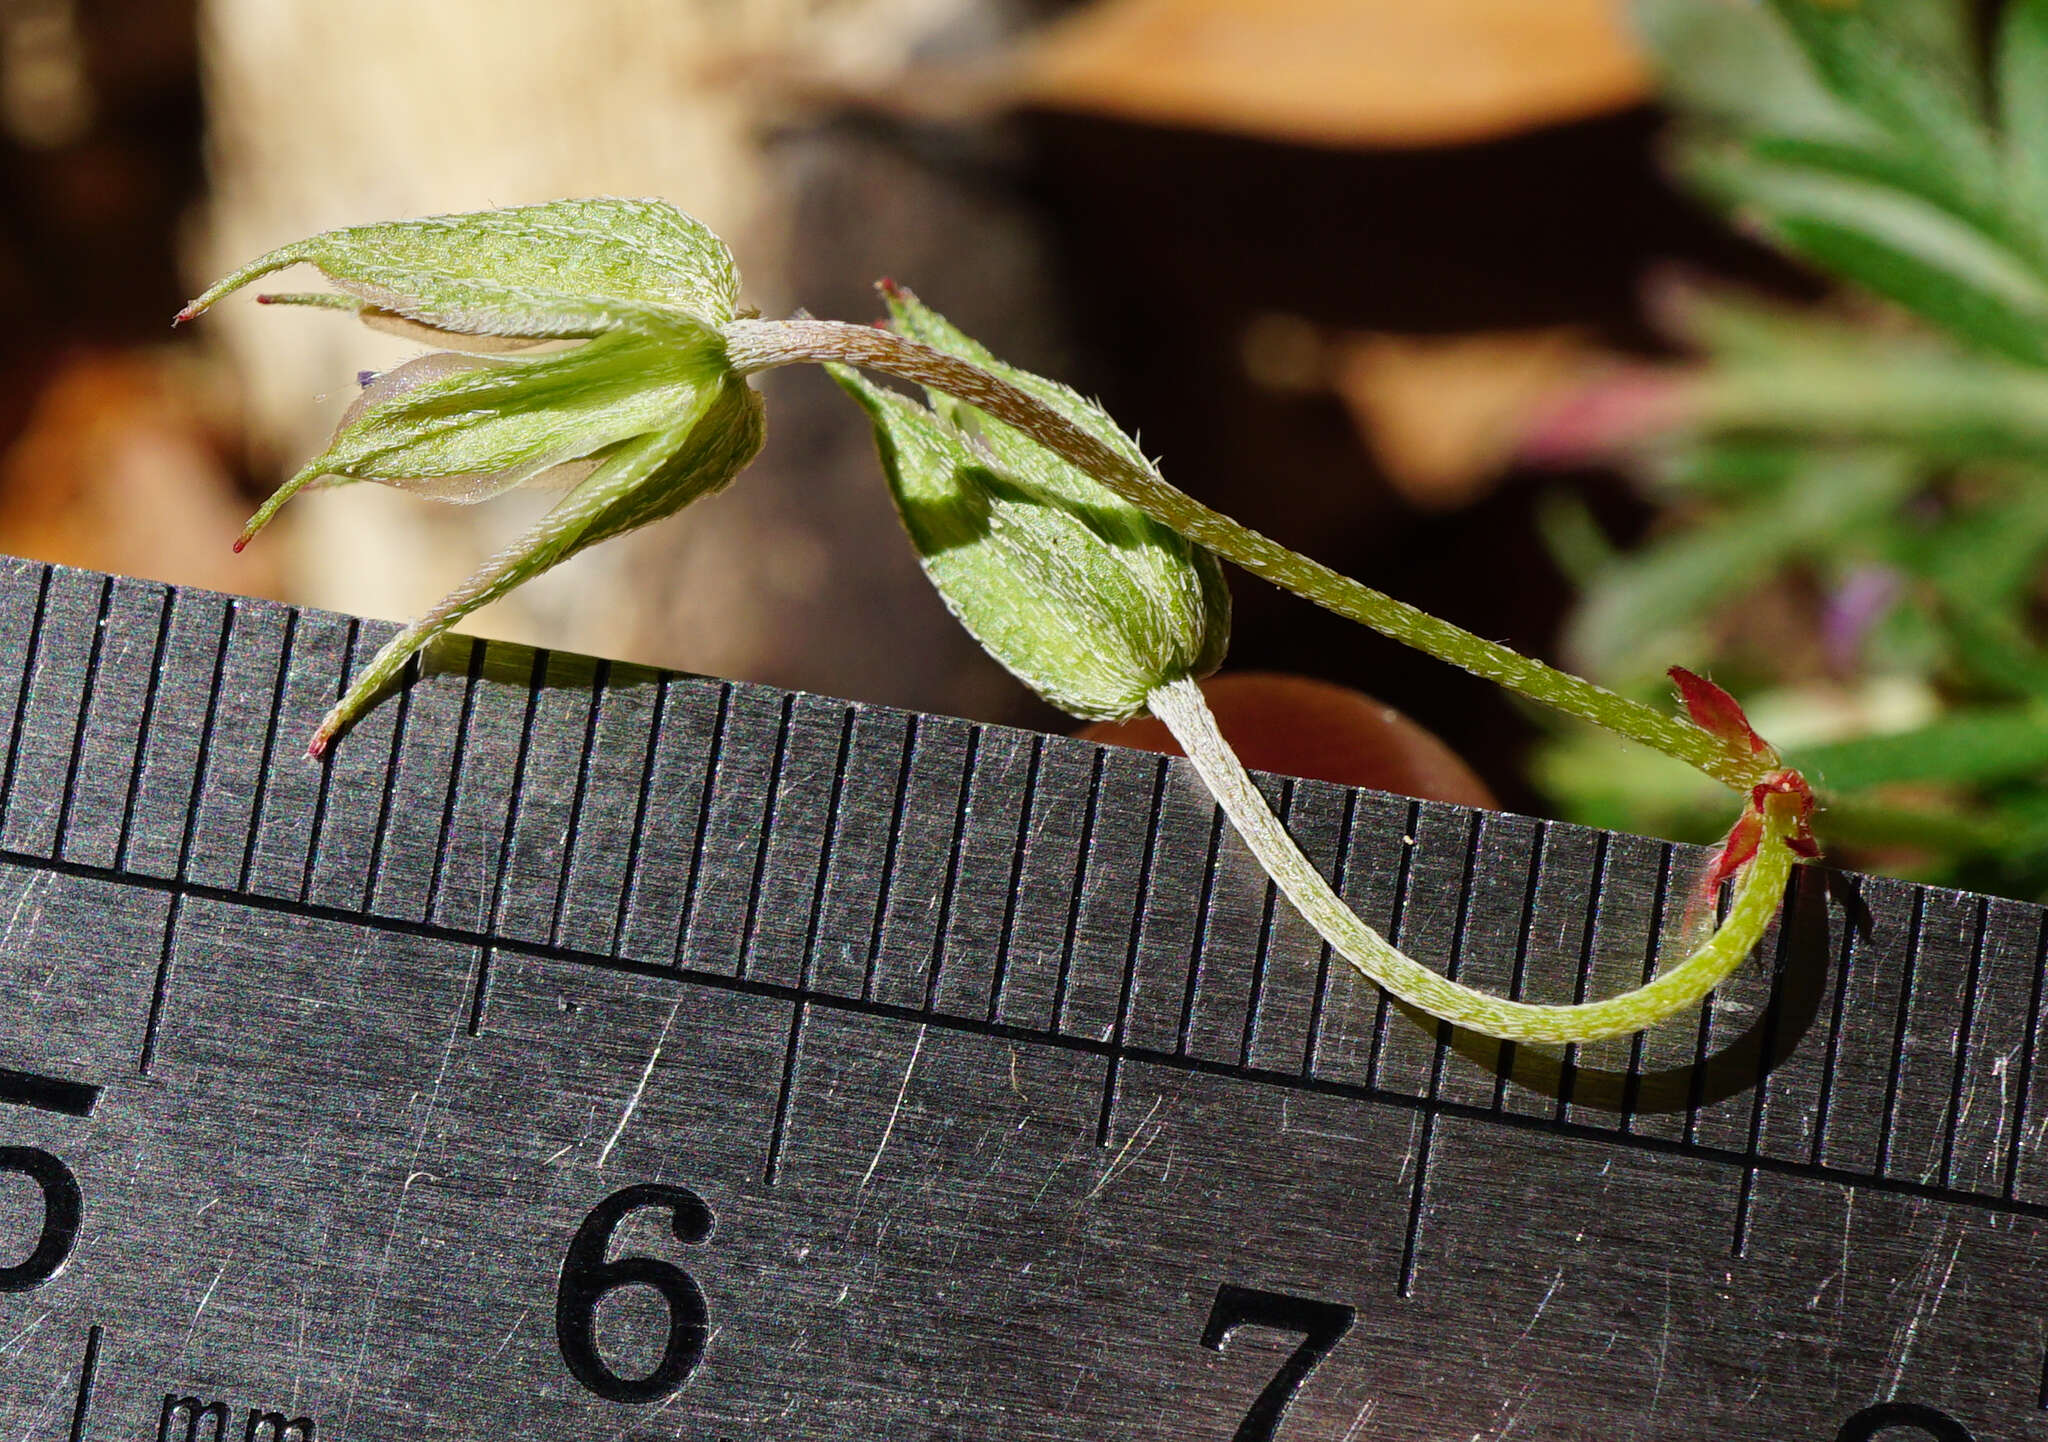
(1180, 705)
(754, 345)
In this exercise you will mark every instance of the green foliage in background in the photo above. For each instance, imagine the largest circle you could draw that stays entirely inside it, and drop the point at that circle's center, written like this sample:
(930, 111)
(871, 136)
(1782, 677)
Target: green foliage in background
(1854, 499)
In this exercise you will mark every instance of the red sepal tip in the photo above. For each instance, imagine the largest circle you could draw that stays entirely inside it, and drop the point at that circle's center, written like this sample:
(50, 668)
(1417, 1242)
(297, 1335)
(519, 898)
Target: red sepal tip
(1718, 714)
(266, 299)
(1737, 851)
(1747, 834)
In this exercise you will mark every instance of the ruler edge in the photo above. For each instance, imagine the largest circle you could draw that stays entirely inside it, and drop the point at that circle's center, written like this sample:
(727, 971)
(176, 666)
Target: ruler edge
(47, 575)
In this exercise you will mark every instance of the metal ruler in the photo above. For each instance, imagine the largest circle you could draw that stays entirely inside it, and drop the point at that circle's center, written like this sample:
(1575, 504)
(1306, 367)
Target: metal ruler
(589, 1052)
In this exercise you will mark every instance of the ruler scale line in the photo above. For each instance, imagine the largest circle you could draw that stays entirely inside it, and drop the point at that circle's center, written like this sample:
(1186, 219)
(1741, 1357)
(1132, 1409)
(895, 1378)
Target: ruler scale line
(600, 692)
(88, 1374)
(1419, 1190)
(508, 839)
(773, 794)
(204, 766)
(2028, 1049)
(771, 1168)
(714, 751)
(465, 717)
(86, 690)
(886, 886)
(380, 826)
(962, 805)
(1404, 1286)
(480, 990)
(1766, 1058)
(1973, 976)
(1119, 1027)
(351, 635)
(1265, 943)
(629, 888)
(28, 676)
(1079, 890)
(152, 684)
(1454, 956)
(806, 963)
(1582, 982)
(1539, 852)
(1325, 953)
(1006, 929)
(799, 1012)
(834, 801)
(1411, 832)
(1831, 1049)
(1895, 1063)
(160, 988)
(1200, 936)
(1703, 1030)
(1653, 952)
(279, 684)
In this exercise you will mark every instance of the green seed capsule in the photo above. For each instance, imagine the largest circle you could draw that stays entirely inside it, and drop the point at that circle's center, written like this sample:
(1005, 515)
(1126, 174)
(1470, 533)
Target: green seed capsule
(1083, 597)
(639, 416)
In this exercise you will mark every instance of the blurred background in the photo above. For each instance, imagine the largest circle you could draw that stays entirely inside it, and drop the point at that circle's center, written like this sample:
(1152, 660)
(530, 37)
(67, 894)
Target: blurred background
(1375, 277)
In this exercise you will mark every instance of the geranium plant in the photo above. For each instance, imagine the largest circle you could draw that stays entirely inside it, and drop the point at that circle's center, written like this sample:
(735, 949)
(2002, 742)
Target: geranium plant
(1047, 531)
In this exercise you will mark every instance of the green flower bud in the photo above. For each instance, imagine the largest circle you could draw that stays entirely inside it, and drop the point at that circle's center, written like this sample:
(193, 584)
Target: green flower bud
(639, 415)
(1084, 598)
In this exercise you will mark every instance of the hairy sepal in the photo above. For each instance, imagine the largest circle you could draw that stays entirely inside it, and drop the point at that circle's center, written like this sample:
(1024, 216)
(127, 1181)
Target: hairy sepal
(565, 268)
(464, 428)
(639, 481)
(1076, 592)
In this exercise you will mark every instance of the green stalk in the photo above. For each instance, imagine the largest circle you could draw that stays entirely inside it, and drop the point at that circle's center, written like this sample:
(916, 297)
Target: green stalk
(1955, 407)
(1180, 705)
(754, 345)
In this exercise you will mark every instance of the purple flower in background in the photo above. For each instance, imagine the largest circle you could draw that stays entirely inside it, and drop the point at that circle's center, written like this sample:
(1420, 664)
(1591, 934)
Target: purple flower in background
(1856, 605)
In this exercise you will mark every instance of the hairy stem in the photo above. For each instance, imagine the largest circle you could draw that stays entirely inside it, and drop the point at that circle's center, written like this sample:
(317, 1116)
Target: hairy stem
(1180, 705)
(753, 345)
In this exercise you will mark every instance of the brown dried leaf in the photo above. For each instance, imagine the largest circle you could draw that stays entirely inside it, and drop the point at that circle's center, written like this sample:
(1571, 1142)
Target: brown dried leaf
(1340, 72)
(1444, 416)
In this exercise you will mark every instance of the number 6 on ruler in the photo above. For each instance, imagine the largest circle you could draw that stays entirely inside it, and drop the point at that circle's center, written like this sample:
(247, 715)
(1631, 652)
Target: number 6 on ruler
(588, 1278)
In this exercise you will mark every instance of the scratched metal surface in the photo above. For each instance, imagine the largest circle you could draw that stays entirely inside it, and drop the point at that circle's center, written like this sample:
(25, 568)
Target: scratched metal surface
(1001, 1078)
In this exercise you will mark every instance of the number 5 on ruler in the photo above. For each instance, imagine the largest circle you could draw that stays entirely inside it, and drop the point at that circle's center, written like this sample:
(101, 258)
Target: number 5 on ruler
(1320, 1323)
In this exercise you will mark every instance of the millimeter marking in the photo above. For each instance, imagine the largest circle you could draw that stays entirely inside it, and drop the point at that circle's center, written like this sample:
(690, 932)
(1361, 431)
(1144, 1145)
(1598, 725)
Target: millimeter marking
(81, 1410)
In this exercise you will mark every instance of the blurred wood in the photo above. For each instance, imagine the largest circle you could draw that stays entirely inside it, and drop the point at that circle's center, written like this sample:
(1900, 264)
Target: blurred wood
(122, 467)
(1339, 72)
(323, 116)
